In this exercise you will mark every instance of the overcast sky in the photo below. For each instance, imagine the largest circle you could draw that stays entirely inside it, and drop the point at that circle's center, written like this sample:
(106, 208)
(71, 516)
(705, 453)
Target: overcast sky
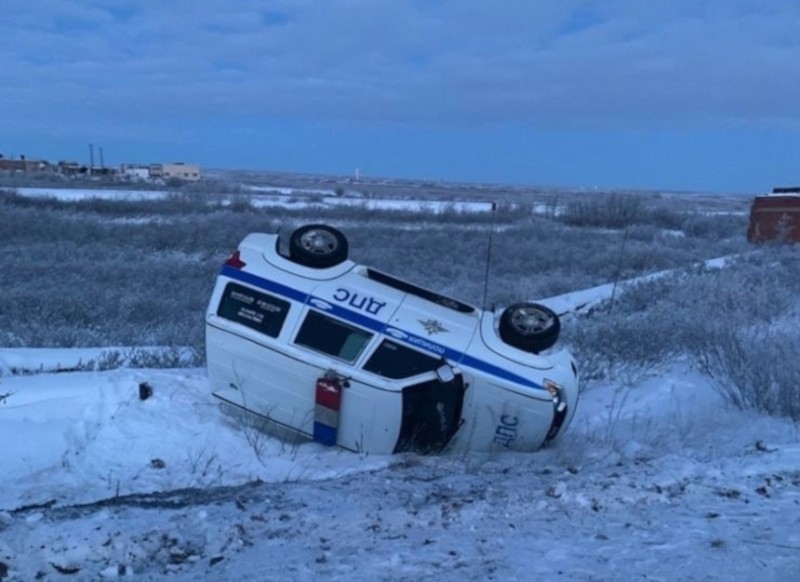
(661, 94)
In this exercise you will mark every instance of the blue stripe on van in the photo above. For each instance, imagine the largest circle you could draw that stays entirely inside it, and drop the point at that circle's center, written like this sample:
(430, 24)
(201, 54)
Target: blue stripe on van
(379, 327)
(265, 284)
(354, 317)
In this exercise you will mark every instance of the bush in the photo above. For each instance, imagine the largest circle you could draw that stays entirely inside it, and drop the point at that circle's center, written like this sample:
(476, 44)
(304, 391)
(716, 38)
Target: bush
(623, 346)
(756, 367)
(604, 210)
(716, 226)
(740, 325)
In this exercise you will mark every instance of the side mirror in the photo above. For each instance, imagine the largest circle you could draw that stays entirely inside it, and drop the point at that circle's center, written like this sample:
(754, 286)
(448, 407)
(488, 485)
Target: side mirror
(445, 374)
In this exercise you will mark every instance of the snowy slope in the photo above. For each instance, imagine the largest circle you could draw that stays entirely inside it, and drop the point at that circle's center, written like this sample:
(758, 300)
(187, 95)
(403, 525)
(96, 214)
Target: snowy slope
(657, 482)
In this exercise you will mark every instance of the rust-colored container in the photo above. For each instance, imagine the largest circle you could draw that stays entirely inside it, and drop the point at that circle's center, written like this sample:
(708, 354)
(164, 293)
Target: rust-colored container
(775, 217)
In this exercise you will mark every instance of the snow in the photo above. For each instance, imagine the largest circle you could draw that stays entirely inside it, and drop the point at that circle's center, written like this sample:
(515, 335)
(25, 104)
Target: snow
(76, 194)
(656, 479)
(91, 436)
(289, 191)
(586, 299)
(397, 204)
(287, 198)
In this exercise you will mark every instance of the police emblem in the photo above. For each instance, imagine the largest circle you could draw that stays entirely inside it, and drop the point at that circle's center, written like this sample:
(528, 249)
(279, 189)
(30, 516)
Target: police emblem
(432, 326)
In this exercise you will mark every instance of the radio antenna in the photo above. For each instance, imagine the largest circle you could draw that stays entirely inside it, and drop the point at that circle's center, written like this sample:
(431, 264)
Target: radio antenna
(619, 269)
(488, 255)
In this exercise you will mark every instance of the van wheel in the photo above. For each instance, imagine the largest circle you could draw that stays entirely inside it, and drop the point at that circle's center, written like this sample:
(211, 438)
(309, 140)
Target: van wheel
(529, 326)
(318, 246)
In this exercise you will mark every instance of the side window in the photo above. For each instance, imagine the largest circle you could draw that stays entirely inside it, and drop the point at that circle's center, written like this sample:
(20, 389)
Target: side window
(395, 361)
(331, 336)
(256, 310)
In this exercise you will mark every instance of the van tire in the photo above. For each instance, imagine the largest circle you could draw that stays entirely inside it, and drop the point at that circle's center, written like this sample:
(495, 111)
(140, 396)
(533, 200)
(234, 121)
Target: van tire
(529, 326)
(318, 246)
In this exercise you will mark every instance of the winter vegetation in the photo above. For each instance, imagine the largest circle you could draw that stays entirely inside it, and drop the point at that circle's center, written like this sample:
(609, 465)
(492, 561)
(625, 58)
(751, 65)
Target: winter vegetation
(737, 324)
(138, 272)
(681, 463)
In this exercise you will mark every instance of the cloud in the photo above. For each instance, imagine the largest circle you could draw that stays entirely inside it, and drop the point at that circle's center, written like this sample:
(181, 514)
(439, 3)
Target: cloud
(450, 63)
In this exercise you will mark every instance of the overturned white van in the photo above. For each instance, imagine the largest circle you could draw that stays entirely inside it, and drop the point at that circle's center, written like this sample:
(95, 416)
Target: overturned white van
(353, 357)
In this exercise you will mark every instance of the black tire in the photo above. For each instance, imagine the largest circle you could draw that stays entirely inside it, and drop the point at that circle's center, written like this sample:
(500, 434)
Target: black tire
(529, 326)
(318, 246)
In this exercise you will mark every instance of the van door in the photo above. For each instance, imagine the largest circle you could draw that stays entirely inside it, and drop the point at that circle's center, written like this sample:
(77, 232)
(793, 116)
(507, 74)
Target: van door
(431, 414)
(432, 395)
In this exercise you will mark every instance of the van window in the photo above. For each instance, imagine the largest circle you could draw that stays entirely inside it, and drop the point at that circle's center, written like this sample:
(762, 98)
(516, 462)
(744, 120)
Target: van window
(256, 310)
(330, 336)
(394, 361)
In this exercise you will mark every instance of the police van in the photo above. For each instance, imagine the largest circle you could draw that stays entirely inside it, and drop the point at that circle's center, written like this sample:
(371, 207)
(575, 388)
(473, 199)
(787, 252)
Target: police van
(354, 357)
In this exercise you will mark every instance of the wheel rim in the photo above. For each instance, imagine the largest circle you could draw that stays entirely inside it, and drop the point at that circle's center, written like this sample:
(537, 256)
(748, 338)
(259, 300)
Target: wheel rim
(530, 321)
(319, 242)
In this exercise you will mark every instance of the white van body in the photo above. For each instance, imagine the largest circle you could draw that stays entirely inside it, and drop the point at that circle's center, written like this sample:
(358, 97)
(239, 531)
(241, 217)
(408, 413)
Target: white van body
(418, 371)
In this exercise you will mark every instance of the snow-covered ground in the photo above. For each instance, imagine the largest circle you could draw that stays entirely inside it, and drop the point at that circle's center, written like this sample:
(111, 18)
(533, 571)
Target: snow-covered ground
(287, 191)
(655, 481)
(586, 299)
(85, 436)
(76, 194)
(284, 197)
(398, 204)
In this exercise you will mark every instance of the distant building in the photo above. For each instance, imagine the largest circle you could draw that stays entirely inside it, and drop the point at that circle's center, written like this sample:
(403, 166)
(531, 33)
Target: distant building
(135, 172)
(67, 168)
(103, 171)
(181, 171)
(775, 217)
(22, 165)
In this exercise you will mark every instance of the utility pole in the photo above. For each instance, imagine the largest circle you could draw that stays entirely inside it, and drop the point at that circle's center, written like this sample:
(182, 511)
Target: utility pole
(91, 158)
